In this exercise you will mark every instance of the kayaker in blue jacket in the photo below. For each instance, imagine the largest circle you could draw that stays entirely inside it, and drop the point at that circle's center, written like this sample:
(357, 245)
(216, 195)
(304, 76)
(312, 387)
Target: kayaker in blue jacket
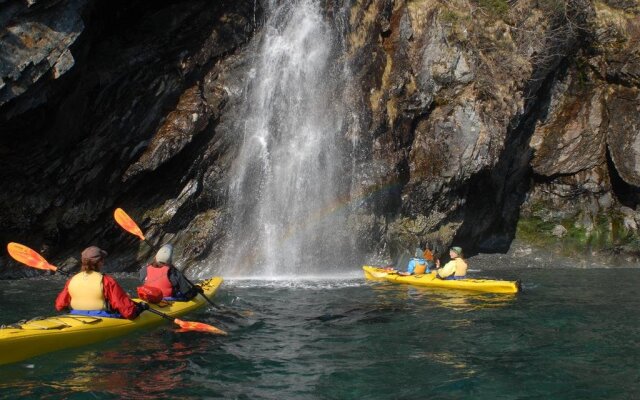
(417, 265)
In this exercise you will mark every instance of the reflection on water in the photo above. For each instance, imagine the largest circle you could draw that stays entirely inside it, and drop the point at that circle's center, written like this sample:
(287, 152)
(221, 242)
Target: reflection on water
(450, 360)
(461, 300)
(144, 367)
(112, 375)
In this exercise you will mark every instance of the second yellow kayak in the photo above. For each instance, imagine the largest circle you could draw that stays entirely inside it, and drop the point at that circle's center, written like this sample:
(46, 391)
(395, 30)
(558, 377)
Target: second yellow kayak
(430, 280)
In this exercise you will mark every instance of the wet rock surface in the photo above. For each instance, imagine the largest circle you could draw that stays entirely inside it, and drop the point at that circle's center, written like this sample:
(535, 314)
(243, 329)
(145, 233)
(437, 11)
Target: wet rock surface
(124, 125)
(468, 117)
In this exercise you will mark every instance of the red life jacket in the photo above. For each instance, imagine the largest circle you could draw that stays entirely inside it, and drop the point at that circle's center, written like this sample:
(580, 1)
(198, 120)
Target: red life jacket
(159, 277)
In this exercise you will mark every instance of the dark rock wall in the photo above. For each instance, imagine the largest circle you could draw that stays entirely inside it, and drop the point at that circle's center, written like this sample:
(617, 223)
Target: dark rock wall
(470, 117)
(119, 123)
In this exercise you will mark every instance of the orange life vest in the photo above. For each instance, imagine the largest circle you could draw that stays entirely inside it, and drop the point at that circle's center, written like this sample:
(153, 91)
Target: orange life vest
(420, 268)
(159, 277)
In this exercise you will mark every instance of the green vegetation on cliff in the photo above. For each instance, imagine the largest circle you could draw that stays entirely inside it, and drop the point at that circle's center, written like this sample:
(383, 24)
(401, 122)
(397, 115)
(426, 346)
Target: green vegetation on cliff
(605, 233)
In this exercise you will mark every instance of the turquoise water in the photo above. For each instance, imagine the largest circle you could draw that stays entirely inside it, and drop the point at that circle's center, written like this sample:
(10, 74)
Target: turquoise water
(572, 334)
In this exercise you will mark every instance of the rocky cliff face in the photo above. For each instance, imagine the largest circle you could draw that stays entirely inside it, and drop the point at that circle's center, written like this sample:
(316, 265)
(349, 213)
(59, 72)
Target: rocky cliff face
(498, 118)
(473, 121)
(107, 104)
(460, 90)
(584, 144)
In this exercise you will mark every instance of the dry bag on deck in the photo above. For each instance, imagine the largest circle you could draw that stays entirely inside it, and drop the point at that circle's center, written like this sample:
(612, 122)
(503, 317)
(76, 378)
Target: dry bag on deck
(150, 294)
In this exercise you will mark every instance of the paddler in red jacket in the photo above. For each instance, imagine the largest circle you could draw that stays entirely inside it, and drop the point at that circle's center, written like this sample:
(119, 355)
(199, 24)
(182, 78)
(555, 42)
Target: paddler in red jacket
(163, 275)
(90, 292)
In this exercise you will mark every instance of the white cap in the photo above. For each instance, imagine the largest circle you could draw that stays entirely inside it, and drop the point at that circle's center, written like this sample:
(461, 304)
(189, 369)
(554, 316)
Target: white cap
(165, 254)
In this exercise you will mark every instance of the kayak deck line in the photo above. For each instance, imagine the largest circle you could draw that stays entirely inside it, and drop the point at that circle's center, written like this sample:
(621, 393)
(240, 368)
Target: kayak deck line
(33, 322)
(430, 280)
(27, 339)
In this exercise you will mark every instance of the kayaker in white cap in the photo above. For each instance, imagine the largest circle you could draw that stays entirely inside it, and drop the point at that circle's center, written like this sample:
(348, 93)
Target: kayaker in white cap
(89, 292)
(454, 269)
(161, 274)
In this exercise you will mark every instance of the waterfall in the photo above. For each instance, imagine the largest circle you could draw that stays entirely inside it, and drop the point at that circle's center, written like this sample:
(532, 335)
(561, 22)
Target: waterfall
(290, 182)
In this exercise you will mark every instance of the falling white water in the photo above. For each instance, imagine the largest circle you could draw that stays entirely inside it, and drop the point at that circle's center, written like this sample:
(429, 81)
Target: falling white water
(288, 183)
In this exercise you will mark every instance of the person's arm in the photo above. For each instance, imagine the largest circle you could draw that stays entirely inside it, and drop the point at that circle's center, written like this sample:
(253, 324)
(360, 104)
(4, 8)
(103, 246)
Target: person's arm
(180, 284)
(63, 301)
(143, 274)
(118, 298)
(448, 270)
(430, 266)
(411, 266)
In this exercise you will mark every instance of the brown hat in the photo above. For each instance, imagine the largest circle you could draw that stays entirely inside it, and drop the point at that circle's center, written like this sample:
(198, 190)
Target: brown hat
(93, 253)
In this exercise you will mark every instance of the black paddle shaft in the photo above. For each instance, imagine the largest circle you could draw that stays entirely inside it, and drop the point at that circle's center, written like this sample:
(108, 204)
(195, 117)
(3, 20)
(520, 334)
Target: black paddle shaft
(163, 315)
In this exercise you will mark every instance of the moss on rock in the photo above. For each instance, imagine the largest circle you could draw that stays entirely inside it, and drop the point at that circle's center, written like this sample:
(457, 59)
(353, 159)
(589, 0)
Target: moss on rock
(586, 235)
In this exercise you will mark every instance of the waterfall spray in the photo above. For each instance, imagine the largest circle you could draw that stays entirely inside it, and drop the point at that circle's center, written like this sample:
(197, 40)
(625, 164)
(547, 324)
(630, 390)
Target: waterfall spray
(288, 182)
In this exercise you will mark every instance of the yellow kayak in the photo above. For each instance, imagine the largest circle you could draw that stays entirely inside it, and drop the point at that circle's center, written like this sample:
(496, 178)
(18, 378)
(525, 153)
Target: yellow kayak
(39, 336)
(430, 280)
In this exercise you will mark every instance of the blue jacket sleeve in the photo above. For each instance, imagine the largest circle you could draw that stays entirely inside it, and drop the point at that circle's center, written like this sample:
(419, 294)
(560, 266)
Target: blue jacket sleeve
(143, 274)
(411, 266)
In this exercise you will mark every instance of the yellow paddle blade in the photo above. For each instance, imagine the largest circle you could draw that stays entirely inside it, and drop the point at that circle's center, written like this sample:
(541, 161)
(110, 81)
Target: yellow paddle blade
(198, 326)
(30, 257)
(127, 223)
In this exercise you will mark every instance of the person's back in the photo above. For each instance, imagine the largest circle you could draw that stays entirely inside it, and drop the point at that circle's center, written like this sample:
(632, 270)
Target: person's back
(157, 275)
(461, 267)
(163, 275)
(85, 290)
(89, 292)
(417, 265)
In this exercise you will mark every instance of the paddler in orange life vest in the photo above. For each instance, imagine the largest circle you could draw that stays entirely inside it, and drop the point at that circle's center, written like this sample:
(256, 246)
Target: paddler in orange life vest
(454, 269)
(89, 292)
(163, 275)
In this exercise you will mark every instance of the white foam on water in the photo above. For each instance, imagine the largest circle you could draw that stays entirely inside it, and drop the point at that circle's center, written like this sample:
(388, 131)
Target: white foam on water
(313, 282)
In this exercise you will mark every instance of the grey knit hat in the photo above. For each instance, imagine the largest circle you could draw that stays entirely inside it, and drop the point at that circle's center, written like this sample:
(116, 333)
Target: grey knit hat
(457, 250)
(165, 254)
